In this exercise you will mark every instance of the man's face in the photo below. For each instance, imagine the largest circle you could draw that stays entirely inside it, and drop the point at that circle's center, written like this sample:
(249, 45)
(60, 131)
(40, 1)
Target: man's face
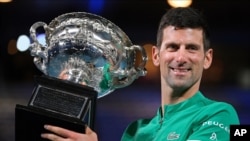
(181, 57)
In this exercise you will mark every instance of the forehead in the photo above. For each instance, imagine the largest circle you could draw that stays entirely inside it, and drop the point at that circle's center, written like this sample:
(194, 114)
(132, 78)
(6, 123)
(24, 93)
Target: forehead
(172, 33)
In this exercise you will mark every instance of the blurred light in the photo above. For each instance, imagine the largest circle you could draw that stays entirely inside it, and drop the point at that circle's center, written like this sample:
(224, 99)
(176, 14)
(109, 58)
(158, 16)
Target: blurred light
(12, 47)
(179, 3)
(23, 43)
(5, 1)
(244, 78)
(41, 39)
(96, 6)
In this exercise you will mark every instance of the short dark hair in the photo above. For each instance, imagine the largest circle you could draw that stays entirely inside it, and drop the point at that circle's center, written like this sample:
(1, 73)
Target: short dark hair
(184, 17)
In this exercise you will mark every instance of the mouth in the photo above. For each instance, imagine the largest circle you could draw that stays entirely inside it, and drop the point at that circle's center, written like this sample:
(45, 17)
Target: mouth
(180, 71)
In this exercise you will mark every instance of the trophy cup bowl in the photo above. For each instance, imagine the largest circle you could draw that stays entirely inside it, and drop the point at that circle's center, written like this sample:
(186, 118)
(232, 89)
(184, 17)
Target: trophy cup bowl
(85, 57)
(87, 49)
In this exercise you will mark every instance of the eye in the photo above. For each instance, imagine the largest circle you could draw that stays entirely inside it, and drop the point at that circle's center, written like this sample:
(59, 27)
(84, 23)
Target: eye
(172, 47)
(192, 47)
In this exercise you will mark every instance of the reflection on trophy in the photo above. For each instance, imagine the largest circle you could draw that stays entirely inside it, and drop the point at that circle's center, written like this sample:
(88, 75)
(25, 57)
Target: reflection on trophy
(85, 57)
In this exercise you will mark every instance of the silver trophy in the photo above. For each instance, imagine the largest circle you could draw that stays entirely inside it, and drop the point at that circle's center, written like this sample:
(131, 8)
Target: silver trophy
(84, 55)
(87, 49)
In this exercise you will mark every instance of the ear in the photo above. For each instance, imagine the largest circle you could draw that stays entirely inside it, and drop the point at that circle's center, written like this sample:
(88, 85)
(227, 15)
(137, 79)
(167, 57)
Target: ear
(208, 58)
(155, 55)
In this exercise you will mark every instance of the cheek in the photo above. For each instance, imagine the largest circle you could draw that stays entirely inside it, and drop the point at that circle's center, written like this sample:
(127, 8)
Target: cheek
(201, 61)
(165, 58)
(197, 58)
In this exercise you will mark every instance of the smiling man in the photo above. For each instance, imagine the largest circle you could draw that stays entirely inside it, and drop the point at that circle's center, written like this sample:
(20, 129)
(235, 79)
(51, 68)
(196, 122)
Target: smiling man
(182, 53)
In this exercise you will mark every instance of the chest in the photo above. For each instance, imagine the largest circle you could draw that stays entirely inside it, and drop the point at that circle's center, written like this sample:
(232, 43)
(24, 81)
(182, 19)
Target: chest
(174, 128)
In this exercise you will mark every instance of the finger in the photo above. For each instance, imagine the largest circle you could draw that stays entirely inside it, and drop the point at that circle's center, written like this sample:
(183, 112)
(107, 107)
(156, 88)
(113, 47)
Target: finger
(51, 137)
(88, 130)
(59, 131)
(91, 133)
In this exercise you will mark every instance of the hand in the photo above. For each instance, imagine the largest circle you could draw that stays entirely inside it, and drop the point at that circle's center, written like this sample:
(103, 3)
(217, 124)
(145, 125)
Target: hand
(61, 134)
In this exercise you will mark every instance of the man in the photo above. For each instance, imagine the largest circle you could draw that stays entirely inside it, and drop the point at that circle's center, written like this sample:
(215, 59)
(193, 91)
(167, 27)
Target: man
(182, 53)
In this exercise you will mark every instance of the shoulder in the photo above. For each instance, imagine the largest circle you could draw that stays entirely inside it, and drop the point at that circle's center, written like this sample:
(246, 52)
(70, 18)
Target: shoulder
(218, 106)
(220, 111)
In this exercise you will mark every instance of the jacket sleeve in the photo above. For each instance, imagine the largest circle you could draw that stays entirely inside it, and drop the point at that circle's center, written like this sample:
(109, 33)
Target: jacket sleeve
(216, 126)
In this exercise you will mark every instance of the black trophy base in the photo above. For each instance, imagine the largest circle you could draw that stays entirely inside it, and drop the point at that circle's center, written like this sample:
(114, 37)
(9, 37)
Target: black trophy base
(30, 121)
(57, 102)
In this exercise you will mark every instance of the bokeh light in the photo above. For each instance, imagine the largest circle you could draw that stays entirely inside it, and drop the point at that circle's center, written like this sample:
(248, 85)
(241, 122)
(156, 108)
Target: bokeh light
(23, 43)
(12, 47)
(96, 6)
(179, 3)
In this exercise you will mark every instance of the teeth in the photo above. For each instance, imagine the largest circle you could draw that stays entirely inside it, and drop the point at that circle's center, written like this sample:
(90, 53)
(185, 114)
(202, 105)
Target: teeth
(180, 70)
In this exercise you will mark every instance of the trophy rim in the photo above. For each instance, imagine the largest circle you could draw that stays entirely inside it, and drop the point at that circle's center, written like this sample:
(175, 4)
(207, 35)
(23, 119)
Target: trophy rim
(82, 14)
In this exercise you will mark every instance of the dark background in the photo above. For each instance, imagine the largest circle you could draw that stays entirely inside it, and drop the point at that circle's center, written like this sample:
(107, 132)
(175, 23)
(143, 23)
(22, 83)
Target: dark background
(227, 80)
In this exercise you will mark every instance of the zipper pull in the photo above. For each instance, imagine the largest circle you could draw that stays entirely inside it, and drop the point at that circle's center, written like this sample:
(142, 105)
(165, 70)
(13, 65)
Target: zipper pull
(161, 119)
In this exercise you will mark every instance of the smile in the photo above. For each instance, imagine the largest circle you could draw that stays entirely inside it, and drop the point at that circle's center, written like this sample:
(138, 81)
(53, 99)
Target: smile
(180, 70)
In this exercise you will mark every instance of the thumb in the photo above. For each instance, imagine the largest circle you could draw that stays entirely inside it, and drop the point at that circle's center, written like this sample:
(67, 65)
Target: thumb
(88, 130)
(91, 134)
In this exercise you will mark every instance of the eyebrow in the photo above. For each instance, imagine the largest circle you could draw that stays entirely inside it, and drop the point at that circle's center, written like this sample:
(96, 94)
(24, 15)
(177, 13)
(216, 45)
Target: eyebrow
(178, 44)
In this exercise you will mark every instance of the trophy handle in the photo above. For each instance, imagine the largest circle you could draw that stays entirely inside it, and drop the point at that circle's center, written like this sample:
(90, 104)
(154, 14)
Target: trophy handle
(36, 48)
(141, 67)
(128, 76)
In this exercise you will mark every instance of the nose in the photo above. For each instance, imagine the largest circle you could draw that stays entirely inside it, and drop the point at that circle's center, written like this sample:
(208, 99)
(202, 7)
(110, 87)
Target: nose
(181, 55)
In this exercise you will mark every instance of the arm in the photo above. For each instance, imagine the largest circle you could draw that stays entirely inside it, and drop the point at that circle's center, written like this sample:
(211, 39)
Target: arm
(216, 127)
(61, 134)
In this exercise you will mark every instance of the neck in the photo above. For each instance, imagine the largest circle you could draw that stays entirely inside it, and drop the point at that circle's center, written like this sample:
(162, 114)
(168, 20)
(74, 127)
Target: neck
(171, 96)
